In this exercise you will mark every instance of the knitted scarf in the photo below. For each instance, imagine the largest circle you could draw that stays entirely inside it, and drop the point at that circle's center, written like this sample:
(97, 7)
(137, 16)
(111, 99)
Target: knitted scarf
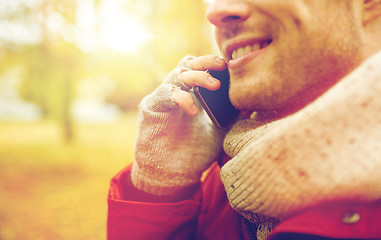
(330, 150)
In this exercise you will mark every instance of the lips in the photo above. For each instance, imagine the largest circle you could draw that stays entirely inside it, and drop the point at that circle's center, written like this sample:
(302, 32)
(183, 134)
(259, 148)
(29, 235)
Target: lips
(241, 51)
(239, 47)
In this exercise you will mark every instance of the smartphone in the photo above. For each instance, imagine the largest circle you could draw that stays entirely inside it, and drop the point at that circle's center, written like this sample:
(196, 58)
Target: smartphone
(217, 103)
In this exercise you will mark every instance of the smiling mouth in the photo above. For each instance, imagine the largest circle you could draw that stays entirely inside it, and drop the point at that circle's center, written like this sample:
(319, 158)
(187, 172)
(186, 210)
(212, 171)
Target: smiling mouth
(244, 50)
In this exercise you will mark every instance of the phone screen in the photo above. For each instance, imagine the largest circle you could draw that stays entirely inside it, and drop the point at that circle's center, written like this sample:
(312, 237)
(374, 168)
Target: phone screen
(217, 103)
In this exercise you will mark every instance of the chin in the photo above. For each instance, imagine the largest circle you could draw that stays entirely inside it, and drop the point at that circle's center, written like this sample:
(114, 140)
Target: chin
(249, 103)
(251, 98)
(266, 103)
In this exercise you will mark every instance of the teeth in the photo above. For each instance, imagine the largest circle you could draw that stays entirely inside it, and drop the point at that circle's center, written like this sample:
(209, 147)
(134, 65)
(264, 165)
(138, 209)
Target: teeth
(256, 46)
(248, 49)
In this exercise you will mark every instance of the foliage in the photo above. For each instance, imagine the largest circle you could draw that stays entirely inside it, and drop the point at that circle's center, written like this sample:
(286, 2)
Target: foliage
(49, 74)
(76, 40)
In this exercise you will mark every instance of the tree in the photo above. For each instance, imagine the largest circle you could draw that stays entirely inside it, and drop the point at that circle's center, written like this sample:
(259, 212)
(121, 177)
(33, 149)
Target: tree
(57, 58)
(51, 65)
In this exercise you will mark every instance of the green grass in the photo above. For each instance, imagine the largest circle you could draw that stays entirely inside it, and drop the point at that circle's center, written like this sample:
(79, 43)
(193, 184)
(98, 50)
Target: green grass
(51, 190)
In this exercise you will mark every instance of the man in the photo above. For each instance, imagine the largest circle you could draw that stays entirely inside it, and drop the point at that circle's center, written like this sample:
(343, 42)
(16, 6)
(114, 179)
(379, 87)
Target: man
(302, 161)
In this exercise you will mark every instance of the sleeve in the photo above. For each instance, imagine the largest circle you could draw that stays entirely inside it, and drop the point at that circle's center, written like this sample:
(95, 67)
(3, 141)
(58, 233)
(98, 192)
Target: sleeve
(129, 219)
(333, 220)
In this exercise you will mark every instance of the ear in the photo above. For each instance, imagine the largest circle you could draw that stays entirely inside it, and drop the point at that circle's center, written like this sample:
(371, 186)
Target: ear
(372, 10)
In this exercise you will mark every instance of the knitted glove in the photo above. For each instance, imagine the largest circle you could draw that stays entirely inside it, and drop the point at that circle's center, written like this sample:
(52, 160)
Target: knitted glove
(172, 149)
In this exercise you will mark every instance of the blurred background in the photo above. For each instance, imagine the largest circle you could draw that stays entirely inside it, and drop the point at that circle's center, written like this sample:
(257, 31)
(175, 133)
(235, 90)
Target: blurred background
(72, 73)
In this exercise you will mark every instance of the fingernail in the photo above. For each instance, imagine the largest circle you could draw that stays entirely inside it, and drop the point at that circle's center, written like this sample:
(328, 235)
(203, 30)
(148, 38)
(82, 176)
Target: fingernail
(212, 80)
(220, 60)
(194, 110)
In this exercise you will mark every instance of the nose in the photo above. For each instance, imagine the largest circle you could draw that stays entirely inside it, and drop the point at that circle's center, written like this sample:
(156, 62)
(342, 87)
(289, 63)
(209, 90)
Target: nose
(222, 13)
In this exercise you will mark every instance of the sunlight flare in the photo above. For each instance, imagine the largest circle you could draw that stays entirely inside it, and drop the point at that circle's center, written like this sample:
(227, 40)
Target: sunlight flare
(109, 27)
(120, 31)
(124, 36)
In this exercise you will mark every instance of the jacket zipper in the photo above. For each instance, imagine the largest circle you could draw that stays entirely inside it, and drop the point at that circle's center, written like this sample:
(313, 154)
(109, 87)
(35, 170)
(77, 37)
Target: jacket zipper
(252, 230)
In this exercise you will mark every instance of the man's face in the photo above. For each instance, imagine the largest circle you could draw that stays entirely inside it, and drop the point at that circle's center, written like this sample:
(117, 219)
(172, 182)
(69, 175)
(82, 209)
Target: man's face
(284, 53)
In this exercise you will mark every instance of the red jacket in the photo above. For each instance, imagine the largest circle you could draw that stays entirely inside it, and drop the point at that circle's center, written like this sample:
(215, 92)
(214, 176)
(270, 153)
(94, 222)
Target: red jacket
(208, 215)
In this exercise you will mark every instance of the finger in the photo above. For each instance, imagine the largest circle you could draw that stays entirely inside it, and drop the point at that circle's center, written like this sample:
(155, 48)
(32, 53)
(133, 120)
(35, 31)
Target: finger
(208, 62)
(185, 101)
(199, 78)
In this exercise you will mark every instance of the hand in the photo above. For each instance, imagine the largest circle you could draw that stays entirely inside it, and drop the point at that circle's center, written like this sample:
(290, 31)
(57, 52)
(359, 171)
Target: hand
(176, 142)
(198, 77)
